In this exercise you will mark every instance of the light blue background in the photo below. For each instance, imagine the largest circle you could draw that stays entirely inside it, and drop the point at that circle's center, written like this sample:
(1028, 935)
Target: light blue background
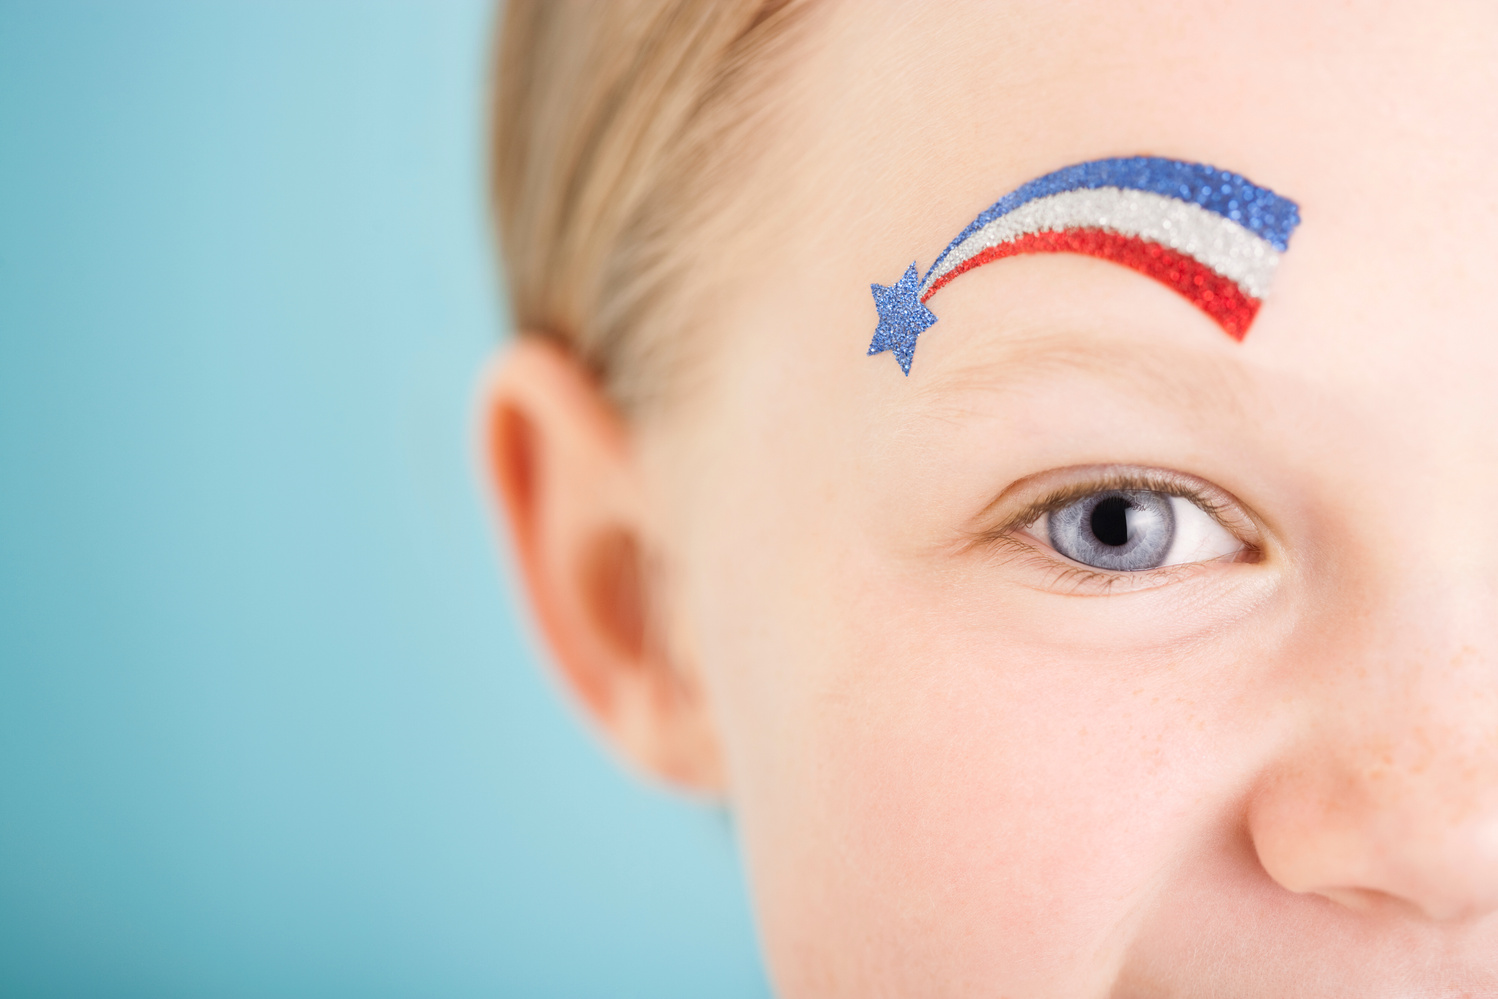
(268, 723)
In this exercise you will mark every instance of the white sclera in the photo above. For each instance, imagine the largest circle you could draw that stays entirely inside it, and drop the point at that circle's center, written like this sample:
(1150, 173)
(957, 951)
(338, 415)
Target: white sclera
(1198, 537)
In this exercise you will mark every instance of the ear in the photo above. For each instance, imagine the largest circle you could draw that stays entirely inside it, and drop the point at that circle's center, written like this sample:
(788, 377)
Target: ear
(563, 468)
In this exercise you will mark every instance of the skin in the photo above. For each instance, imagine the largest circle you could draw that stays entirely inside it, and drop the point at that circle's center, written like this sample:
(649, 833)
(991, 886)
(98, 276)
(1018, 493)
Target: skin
(959, 765)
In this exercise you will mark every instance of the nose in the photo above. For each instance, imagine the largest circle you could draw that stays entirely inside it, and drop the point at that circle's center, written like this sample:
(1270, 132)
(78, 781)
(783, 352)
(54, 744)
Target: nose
(1386, 797)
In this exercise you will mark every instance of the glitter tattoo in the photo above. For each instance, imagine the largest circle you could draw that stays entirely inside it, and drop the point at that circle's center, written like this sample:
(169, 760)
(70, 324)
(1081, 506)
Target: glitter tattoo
(1207, 233)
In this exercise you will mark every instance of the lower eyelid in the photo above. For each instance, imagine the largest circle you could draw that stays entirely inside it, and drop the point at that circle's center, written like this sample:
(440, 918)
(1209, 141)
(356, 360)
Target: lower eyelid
(1063, 575)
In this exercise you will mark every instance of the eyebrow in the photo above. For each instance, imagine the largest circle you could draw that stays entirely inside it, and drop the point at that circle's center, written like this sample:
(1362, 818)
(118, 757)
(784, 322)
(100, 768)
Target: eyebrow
(1196, 380)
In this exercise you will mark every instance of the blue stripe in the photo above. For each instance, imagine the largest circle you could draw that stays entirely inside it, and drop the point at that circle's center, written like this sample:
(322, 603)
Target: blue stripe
(1256, 208)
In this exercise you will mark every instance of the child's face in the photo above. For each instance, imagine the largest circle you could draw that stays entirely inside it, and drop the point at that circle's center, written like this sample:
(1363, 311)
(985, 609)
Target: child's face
(961, 764)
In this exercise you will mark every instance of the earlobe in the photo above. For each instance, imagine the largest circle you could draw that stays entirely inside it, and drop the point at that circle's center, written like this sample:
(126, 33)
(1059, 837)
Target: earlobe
(562, 466)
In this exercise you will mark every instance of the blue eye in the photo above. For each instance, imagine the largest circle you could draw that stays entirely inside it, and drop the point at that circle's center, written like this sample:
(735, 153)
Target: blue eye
(1125, 530)
(1131, 530)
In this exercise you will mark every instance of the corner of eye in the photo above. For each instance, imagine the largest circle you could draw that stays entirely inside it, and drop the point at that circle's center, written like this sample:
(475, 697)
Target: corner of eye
(989, 542)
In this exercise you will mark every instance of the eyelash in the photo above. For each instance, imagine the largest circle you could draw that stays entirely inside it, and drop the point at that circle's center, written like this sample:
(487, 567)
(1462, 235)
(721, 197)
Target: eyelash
(1080, 579)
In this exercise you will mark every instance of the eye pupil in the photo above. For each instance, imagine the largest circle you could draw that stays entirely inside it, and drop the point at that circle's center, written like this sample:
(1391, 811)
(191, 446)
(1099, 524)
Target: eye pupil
(1110, 521)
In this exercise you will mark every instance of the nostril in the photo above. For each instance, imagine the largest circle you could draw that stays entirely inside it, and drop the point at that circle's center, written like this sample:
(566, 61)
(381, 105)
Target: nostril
(1372, 901)
(1356, 899)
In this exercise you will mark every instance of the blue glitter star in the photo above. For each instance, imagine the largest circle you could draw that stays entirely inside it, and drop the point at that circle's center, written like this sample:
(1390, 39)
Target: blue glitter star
(902, 317)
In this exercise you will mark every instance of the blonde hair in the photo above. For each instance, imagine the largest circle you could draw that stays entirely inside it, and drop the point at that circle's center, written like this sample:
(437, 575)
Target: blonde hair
(617, 127)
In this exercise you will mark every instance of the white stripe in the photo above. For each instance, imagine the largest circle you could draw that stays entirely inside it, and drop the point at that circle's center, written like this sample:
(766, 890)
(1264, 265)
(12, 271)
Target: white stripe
(1222, 244)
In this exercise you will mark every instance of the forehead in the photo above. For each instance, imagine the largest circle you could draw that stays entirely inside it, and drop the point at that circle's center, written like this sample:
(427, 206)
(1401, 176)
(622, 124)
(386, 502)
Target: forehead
(911, 118)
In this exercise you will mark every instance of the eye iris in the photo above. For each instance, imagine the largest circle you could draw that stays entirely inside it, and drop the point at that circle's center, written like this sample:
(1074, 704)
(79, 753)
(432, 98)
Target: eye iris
(1124, 530)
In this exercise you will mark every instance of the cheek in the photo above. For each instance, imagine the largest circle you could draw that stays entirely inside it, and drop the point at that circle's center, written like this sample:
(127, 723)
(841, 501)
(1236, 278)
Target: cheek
(944, 800)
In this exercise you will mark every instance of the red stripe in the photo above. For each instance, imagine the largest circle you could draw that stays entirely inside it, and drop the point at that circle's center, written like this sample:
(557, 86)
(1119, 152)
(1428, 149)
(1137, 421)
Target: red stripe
(1217, 296)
